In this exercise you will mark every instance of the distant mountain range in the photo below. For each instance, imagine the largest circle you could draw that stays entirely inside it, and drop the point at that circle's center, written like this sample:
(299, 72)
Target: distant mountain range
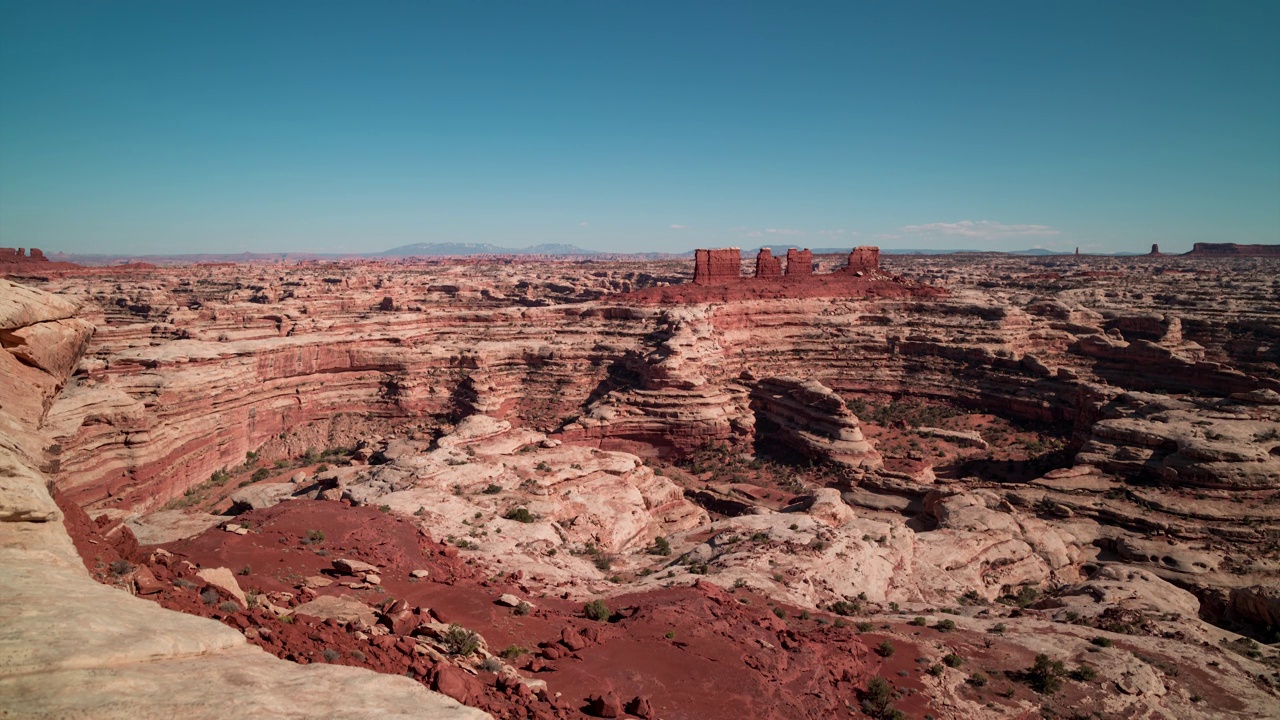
(455, 249)
(479, 249)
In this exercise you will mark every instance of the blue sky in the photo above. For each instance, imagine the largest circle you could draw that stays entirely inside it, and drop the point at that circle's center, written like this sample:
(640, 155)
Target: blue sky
(168, 127)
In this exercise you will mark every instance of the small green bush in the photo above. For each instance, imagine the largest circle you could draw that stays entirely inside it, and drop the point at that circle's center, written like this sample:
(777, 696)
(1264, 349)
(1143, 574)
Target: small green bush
(1084, 673)
(885, 649)
(519, 515)
(460, 641)
(1045, 676)
(661, 546)
(597, 610)
(511, 652)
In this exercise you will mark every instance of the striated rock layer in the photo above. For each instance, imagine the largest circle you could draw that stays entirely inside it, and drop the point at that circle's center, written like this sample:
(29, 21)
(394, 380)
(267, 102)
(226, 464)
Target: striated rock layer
(94, 651)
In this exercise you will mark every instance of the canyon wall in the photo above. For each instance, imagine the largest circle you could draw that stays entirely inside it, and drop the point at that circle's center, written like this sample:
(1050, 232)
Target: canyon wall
(75, 648)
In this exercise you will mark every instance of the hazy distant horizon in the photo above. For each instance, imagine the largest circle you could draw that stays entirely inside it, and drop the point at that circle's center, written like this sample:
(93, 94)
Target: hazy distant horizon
(140, 128)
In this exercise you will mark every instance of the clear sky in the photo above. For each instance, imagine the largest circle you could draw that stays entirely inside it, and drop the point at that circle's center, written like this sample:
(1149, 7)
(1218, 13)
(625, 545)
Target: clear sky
(184, 126)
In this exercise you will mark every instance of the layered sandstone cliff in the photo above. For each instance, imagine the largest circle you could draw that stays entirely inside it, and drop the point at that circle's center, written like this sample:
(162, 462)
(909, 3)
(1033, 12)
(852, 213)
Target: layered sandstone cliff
(72, 647)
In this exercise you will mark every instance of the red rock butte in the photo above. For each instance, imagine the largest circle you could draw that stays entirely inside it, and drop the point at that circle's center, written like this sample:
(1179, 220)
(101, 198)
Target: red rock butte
(717, 277)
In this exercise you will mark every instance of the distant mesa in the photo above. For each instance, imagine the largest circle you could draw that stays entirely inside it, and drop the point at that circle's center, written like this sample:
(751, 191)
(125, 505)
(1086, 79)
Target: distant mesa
(1233, 250)
(1155, 249)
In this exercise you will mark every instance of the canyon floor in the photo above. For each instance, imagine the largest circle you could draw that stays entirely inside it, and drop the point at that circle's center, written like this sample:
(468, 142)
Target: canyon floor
(963, 486)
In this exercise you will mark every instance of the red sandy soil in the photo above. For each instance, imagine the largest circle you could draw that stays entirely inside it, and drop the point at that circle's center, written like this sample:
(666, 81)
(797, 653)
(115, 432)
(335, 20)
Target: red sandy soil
(724, 658)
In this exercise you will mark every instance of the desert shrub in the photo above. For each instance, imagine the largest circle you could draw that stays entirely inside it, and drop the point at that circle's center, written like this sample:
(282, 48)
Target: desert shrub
(597, 610)
(845, 607)
(1101, 641)
(120, 567)
(661, 546)
(935, 670)
(877, 700)
(945, 625)
(1084, 673)
(998, 628)
(780, 612)
(492, 489)
(460, 641)
(314, 537)
(246, 570)
(865, 626)
(603, 561)
(952, 660)
(331, 655)
(523, 608)
(229, 607)
(511, 652)
(543, 467)
(184, 583)
(519, 515)
(919, 621)
(261, 474)
(885, 649)
(210, 597)
(491, 664)
(1025, 596)
(978, 679)
(1045, 675)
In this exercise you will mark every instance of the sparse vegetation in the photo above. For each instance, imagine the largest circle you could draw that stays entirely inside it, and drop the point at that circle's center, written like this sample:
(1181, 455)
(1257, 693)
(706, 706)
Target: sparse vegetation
(460, 641)
(1045, 675)
(877, 700)
(519, 515)
(661, 546)
(885, 649)
(1084, 673)
(597, 610)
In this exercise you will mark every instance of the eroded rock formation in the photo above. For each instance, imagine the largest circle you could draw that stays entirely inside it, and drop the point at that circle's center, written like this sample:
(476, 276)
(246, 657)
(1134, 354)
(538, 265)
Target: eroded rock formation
(1039, 452)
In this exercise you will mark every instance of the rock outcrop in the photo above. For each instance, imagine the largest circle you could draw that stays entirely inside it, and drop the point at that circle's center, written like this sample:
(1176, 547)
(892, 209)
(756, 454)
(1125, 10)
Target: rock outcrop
(807, 416)
(75, 648)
